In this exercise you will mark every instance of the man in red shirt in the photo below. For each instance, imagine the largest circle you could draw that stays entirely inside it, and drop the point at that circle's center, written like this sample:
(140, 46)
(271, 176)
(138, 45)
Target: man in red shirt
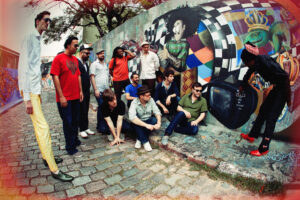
(118, 68)
(67, 82)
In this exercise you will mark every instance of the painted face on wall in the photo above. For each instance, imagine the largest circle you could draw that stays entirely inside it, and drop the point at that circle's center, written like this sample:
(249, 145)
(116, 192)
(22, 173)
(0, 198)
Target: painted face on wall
(258, 37)
(178, 29)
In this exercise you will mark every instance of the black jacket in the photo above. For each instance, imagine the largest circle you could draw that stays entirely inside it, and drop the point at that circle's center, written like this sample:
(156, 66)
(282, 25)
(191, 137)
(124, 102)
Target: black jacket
(85, 78)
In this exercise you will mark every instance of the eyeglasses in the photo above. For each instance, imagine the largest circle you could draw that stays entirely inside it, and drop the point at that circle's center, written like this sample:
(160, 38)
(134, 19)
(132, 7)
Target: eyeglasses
(76, 45)
(47, 20)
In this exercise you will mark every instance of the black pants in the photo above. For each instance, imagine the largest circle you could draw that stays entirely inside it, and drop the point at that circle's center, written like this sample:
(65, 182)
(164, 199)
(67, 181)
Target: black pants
(84, 112)
(172, 107)
(119, 86)
(269, 112)
(150, 83)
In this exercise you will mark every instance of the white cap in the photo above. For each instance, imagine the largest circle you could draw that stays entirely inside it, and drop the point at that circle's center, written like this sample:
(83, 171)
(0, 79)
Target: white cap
(144, 43)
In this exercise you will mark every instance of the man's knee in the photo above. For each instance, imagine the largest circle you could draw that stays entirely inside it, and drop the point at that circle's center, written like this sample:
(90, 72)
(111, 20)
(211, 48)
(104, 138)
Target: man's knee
(194, 130)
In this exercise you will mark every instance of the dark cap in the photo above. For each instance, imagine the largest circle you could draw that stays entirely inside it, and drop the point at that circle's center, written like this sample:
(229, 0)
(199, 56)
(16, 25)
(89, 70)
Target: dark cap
(85, 46)
(143, 89)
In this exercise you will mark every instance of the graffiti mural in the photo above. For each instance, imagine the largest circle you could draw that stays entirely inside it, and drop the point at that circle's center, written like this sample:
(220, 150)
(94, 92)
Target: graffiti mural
(203, 42)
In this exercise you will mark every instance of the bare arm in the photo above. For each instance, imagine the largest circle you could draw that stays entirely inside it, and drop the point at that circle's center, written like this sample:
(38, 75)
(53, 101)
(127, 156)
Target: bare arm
(80, 89)
(199, 119)
(111, 126)
(62, 99)
(96, 92)
(119, 125)
(128, 97)
(130, 53)
(187, 114)
(166, 111)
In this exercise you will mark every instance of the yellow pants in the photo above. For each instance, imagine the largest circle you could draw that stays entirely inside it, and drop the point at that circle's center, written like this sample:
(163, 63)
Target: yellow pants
(42, 132)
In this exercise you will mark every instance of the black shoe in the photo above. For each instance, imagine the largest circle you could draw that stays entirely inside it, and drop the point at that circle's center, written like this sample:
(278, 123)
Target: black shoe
(57, 160)
(62, 176)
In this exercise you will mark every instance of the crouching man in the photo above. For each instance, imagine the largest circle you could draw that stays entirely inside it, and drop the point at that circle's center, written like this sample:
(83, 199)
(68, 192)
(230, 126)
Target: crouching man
(141, 113)
(191, 111)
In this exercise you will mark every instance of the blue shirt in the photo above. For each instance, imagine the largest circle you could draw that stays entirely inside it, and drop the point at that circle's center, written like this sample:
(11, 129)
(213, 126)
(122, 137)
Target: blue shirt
(132, 90)
(161, 92)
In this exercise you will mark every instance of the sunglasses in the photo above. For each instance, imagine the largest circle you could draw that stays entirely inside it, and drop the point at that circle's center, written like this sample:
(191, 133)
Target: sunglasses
(76, 45)
(198, 90)
(47, 20)
(86, 53)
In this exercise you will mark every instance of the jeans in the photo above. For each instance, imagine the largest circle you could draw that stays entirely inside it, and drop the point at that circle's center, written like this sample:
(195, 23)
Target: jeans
(119, 86)
(100, 119)
(70, 117)
(126, 128)
(84, 112)
(142, 132)
(184, 127)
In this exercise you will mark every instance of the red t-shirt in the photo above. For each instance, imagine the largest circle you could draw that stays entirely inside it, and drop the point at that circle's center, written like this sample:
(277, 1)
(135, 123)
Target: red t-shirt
(120, 71)
(66, 68)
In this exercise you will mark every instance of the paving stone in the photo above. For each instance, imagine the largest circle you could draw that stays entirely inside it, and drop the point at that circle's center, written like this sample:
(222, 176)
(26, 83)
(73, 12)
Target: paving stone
(175, 192)
(38, 197)
(97, 176)
(130, 172)
(144, 187)
(33, 173)
(13, 164)
(76, 191)
(22, 182)
(129, 182)
(103, 166)
(95, 186)
(57, 196)
(45, 189)
(157, 167)
(128, 165)
(120, 161)
(161, 189)
(113, 170)
(38, 181)
(62, 186)
(110, 157)
(74, 174)
(127, 195)
(45, 172)
(89, 163)
(111, 191)
(112, 180)
(81, 180)
(74, 167)
(88, 170)
(172, 180)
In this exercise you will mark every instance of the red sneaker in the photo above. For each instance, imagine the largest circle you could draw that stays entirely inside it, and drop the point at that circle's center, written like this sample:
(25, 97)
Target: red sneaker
(257, 153)
(246, 137)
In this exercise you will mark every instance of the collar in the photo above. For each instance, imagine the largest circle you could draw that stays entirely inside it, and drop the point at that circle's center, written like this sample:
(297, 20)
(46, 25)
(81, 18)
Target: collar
(190, 96)
(36, 33)
(163, 84)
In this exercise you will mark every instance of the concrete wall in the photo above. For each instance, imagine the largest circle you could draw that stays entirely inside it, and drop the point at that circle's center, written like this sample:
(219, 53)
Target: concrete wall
(208, 51)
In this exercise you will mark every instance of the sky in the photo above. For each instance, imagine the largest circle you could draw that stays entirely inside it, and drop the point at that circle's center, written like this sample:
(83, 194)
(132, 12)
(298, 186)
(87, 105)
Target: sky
(16, 21)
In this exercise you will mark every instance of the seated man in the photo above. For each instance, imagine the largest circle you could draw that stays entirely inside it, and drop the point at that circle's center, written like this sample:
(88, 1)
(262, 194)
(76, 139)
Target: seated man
(166, 94)
(140, 113)
(113, 111)
(131, 89)
(191, 110)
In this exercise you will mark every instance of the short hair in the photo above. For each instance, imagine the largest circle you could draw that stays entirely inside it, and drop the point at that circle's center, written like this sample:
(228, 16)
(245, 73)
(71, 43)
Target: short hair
(40, 16)
(69, 40)
(246, 56)
(168, 72)
(196, 84)
(108, 95)
(133, 73)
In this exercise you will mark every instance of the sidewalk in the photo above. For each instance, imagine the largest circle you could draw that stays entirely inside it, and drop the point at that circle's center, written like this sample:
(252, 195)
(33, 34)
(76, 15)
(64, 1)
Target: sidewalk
(118, 172)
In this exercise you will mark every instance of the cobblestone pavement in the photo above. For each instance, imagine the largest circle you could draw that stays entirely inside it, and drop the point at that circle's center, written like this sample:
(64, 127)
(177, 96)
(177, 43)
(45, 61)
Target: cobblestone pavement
(101, 171)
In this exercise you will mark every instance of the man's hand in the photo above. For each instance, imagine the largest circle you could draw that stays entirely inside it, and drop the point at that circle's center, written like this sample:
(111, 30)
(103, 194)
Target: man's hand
(97, 93)
(29, 108)
(63, 102)
(166, 111)
(194, 123)
(150, 127)
(81, 96)
(156, 126)
(187, 114)
(168, 100)
(117, 141)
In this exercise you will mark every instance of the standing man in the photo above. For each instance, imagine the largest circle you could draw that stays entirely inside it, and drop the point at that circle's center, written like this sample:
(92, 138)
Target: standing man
(141, 115)
(272, 106)
(149, 66)
(166, 94)
(100, 78)
(29, 72)
(118, 67)
(113, 112)
(67, 82)
(131, 89)
(191, 111)
(84, 53)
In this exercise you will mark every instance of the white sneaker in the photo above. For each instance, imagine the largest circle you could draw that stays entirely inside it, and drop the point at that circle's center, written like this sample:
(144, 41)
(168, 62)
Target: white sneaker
(138, 144)
(147, 146)
(83, 134)
(164, 140)
(88, 131)
(110, 137)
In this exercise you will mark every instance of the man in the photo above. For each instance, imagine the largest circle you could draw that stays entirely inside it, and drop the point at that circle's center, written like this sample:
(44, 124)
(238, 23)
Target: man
(131, 89)
(113, 112)
(191, 111)
(84, 53)
(166, 94)
(140, 114)
(118, 67)
(272, 106)
(29, 72)
(100, 78)
(67, 82)
(149, 66)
